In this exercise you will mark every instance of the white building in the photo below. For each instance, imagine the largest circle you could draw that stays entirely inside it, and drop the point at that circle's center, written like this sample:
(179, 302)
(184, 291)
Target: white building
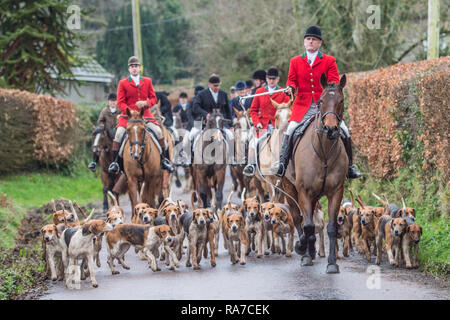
(95, 81)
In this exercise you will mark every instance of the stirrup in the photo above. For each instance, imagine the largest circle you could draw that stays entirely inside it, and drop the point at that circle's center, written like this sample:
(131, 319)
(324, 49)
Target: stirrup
(114, 168)
(92, 166)
(249, 170)
(165, 163)
(353, 173)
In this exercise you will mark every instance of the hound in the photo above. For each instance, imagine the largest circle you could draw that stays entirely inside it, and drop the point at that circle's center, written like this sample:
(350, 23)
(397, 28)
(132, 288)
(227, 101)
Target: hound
(171, 217)
(194, 224)
(411, 239)
(52, 248)
(78, 243)
(235, 230)
(282, 224)
(267, 227)
(138, 208)
(228, 209)
(344, 223)
(251, 208)
(367, 216)
(392, 231)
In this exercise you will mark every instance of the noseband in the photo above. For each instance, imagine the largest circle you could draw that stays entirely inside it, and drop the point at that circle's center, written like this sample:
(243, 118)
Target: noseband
(139, 143)
(323, 128)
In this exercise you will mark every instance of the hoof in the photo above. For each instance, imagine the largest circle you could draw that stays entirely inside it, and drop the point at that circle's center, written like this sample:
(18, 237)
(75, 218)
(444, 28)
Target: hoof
(95, 285)
(332, 268)
(242, 262)
(54, 279)
(298, 250)
(307, 261)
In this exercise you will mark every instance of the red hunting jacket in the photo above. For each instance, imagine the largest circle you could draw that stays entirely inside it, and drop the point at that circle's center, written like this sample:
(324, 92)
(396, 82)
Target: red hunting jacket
(307, 80)
(262, 111)
(128, 94)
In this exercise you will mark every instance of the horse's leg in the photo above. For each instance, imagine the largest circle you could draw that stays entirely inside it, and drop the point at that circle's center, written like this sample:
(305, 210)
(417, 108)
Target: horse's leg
(334, 202)
(308, 238)
(220, 183)
(132, 192)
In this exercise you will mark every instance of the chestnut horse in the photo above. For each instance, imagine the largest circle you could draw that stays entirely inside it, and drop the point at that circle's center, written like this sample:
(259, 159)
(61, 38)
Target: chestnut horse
(208, 169)
(319, 169)
(142, 161)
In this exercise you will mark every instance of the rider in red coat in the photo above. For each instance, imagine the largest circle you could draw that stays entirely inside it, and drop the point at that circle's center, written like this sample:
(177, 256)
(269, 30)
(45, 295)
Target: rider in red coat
(136, 92)
(304, 75)
(263, 112)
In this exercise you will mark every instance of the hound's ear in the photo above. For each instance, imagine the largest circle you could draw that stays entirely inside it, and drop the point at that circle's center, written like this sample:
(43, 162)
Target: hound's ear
(323, 81)
(414, 212)
(257, 199)
(171, 232)
(158, 231)
(42, 230)
(128, 113)
(86, 230)
(420, 229)
(392, 224)
(57, 231)
(93, 228)
(408, 228)
(343, 81)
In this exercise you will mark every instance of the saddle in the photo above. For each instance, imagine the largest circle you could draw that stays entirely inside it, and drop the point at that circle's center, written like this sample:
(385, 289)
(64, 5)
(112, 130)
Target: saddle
(152, 135)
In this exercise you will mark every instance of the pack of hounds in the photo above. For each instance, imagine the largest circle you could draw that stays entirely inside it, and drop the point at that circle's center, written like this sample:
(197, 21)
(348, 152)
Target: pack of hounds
(175, 229)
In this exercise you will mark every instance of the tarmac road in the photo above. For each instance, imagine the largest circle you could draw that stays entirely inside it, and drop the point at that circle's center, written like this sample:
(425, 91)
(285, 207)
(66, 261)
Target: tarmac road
(272, 277)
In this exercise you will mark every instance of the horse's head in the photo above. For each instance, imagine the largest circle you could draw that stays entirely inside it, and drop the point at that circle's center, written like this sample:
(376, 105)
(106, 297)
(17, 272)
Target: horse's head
(136, 133)
(215, 120)
(242, 120)
(331, 106)
(283, 112)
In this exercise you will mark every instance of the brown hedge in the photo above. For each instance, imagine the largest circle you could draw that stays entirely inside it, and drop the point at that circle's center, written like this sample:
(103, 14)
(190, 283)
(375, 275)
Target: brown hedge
(35, 128)
(382, 105)
(435, 107)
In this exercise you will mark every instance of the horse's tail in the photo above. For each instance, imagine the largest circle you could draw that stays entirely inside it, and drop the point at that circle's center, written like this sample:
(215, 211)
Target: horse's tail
(113, 197)
(193, 200)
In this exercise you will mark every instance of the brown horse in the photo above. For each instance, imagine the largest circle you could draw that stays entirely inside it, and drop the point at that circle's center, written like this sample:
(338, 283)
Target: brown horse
(142, 161)
(103, 148)
(208, 169)
(319, 169)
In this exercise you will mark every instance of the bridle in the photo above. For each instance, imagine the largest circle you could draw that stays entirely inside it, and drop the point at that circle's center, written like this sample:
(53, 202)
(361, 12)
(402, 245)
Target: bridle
(324, 130)
(141, 144)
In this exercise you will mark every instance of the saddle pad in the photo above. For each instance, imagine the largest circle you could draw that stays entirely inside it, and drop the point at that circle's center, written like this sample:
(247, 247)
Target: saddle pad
(152, 135)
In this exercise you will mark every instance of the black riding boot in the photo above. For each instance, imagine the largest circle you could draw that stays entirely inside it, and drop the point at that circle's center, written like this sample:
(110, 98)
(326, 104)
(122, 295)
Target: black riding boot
(284, 156)
(93, 165)
(352, 172)
(114, 167)
(165, 162)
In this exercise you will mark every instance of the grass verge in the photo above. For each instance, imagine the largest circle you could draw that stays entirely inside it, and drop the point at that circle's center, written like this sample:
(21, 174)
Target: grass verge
(21, 263)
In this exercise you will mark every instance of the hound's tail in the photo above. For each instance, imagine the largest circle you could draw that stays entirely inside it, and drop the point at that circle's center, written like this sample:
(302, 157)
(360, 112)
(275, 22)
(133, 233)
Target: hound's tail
(113, 197)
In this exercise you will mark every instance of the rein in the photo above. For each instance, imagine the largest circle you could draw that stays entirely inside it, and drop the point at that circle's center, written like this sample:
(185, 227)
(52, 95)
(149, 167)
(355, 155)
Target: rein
(142, 144)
